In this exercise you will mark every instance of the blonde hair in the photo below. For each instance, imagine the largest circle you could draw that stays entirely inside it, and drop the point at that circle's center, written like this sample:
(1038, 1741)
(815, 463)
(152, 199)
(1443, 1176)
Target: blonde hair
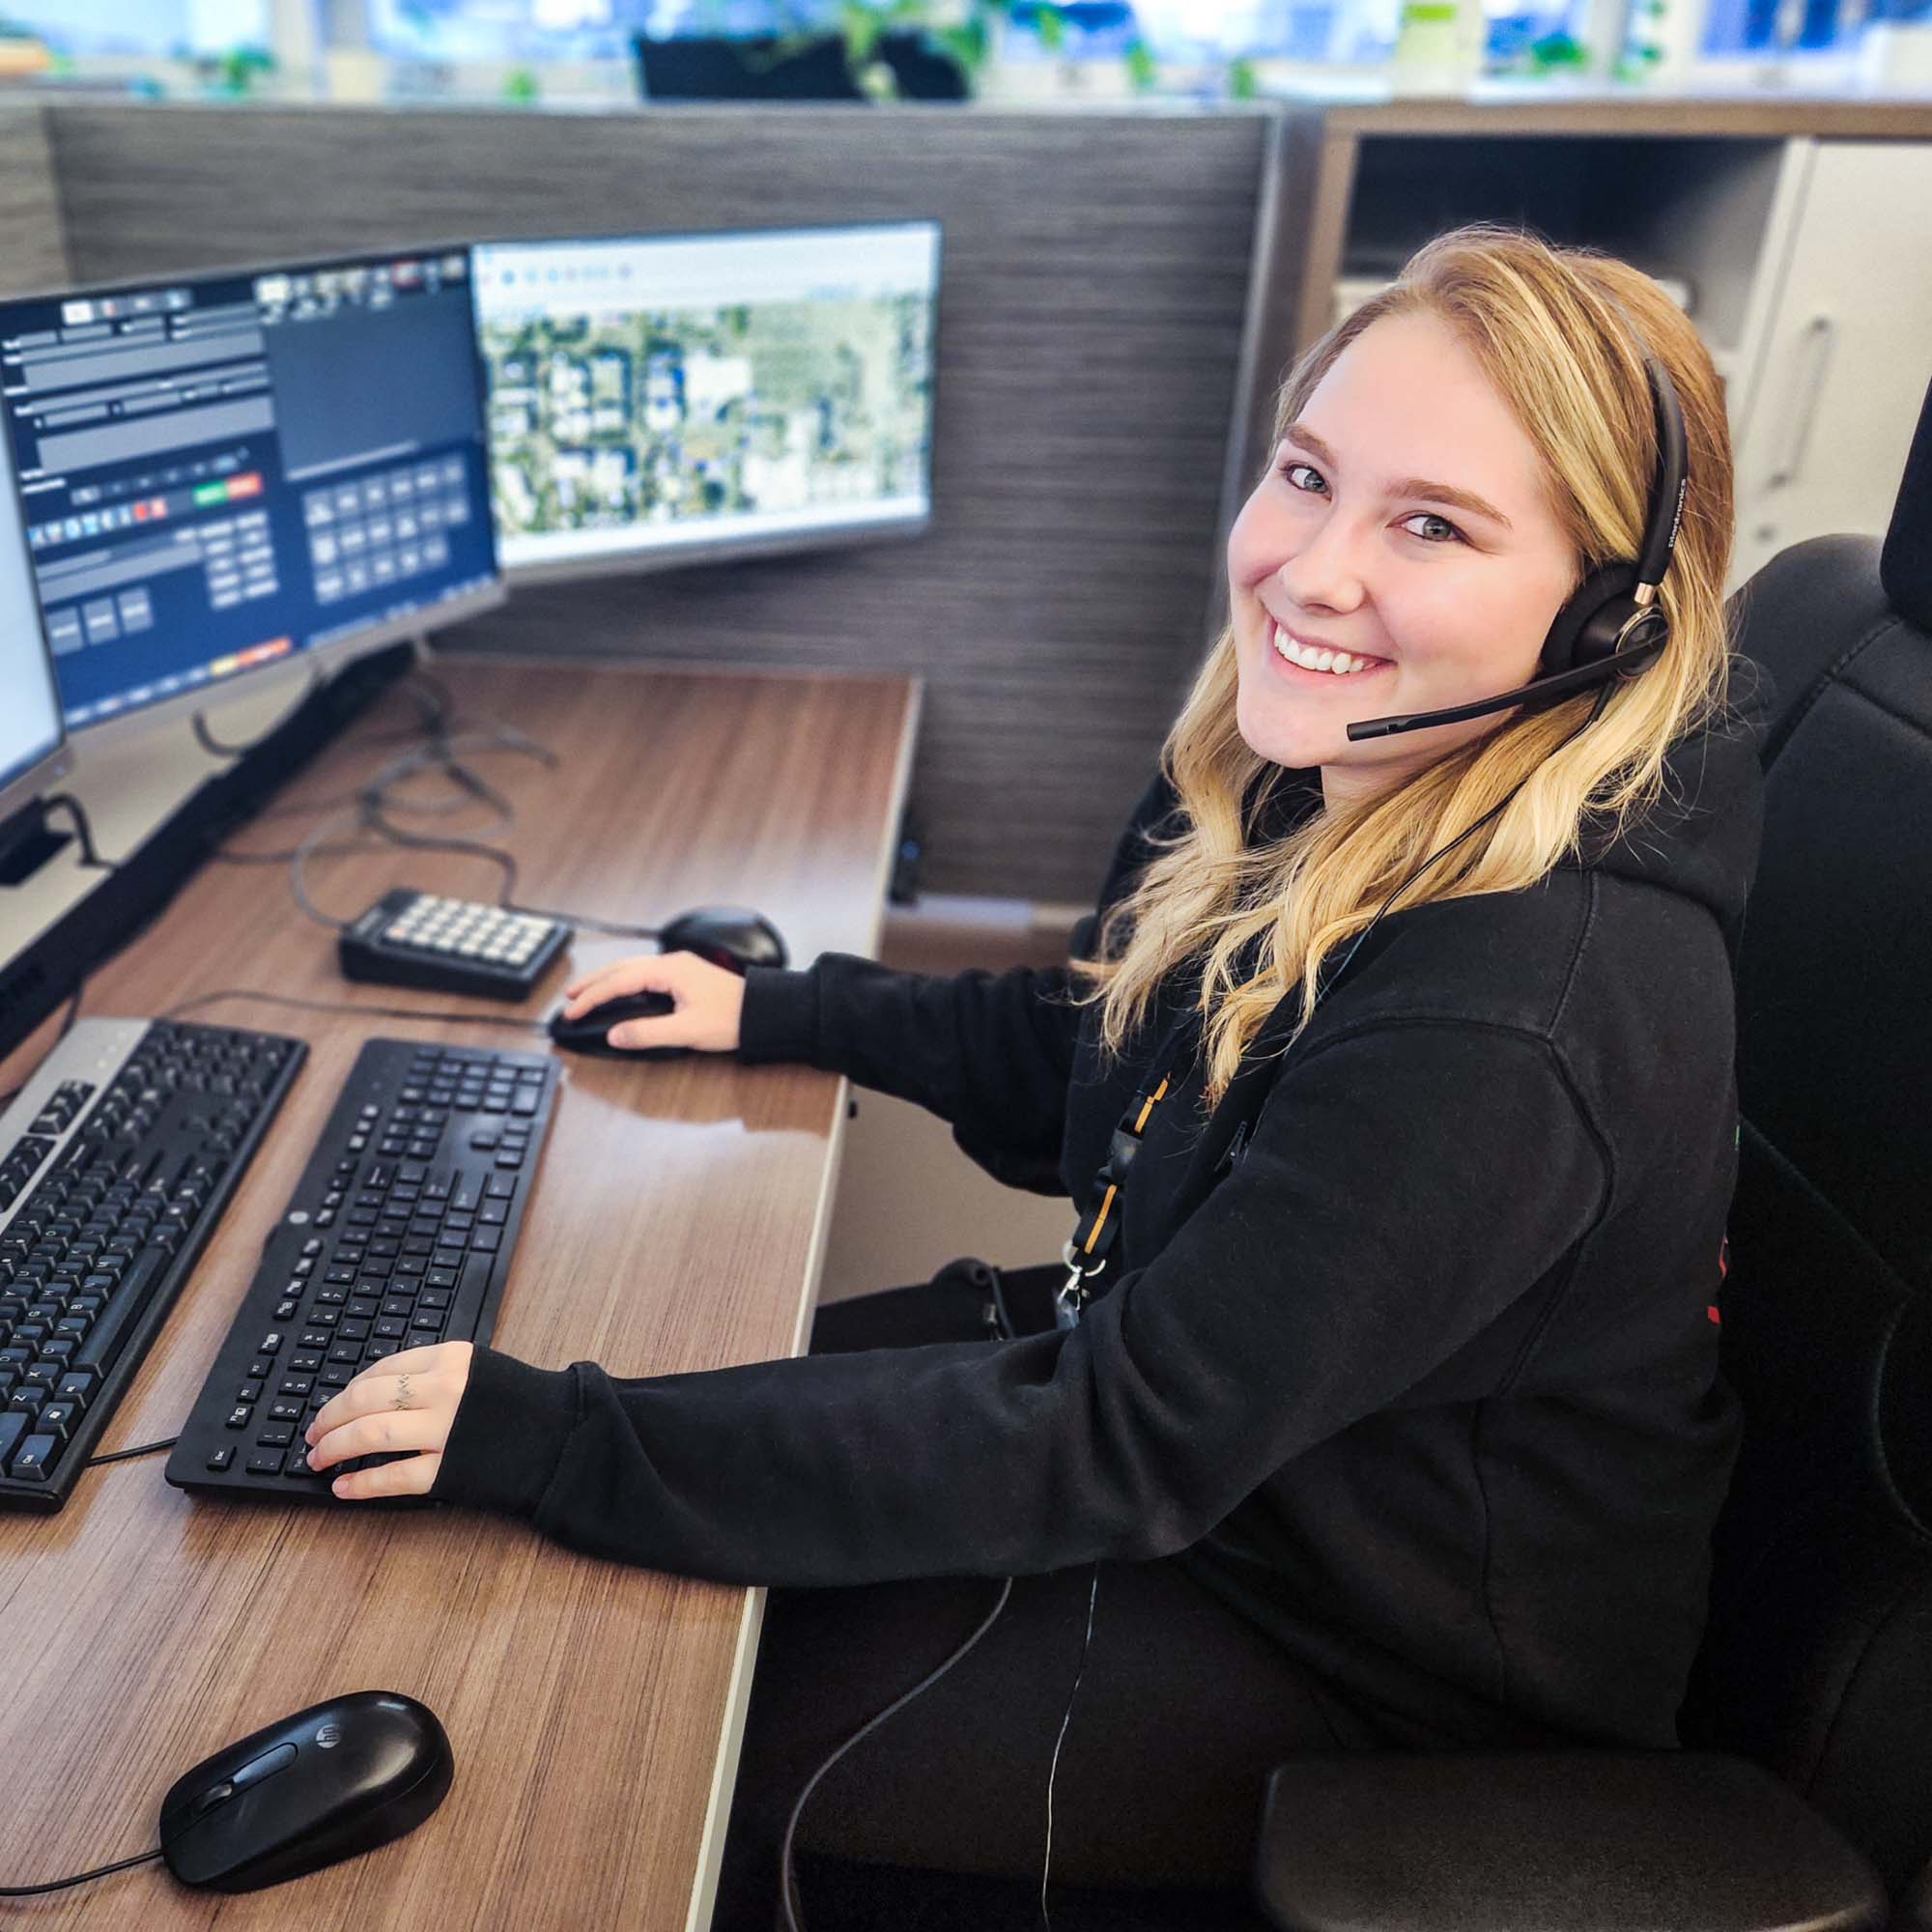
(1560, 334)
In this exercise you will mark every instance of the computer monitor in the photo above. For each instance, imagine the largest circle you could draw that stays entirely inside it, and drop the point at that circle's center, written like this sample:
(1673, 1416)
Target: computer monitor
(658, 399)
(32, 745)
(225, 473)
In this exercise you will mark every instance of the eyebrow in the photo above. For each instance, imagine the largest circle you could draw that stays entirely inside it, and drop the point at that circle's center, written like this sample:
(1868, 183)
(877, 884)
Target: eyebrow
(1403, 485)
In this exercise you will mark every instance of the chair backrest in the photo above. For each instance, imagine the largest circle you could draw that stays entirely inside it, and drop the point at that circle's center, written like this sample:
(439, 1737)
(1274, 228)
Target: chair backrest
(1818, 1659)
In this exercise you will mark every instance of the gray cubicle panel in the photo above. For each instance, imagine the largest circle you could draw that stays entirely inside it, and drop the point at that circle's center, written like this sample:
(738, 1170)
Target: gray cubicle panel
(1096, 278)
(32, 253)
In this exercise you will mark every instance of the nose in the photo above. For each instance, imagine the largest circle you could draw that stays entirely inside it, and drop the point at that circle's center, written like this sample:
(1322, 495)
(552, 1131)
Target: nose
(1324, 573)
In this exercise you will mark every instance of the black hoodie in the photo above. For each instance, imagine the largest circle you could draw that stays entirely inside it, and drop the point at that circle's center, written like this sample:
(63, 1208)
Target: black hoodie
(1410, 1349)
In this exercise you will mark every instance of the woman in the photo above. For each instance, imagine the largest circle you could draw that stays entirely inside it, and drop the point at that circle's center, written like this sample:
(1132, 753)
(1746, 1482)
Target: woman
(1394, 1417)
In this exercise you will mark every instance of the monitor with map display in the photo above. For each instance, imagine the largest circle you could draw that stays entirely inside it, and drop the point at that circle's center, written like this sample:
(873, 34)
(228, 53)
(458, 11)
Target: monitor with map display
(661, 399)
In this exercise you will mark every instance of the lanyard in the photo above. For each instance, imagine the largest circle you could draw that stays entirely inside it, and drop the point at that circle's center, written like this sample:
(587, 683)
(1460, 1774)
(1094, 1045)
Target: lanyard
(1085, 1253)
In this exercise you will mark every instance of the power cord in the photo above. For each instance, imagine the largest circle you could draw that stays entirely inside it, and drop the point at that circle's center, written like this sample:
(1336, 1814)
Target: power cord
(79, 1878)
(83, 830)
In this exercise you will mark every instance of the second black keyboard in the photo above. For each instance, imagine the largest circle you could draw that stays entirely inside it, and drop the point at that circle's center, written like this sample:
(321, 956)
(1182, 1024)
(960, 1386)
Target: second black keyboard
(398, 1235)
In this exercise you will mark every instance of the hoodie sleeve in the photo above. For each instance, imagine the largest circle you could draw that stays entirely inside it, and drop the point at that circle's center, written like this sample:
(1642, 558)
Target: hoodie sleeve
(1405, 1188)
(991, 1053)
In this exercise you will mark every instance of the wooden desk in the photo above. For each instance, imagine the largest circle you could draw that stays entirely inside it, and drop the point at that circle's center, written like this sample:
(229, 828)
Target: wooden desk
(677, 1223)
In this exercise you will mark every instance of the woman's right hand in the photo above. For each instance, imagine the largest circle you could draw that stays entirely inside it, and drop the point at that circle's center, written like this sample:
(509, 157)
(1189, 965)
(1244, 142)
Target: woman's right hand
(709, 1001)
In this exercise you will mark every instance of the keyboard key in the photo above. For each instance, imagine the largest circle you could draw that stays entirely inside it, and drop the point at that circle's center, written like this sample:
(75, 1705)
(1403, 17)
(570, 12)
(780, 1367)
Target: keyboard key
(59, 1418)
(33, 1458)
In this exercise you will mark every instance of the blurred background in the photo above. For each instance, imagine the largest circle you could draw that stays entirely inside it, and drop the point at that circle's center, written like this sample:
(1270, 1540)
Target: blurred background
(1005, 51)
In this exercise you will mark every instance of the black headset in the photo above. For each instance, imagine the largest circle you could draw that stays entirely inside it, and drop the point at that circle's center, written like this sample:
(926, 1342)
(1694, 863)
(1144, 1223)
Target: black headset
(1611, 625)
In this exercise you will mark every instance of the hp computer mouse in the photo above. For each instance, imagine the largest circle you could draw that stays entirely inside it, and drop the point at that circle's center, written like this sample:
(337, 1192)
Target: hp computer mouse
(733, 937)
(340, 1778)
(585, 1033)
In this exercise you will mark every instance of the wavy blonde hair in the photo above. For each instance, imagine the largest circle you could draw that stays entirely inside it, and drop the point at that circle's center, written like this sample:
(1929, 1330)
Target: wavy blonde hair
(1560, 335)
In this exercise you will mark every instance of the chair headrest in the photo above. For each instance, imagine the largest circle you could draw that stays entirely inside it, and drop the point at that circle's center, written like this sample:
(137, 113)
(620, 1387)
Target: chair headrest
(1905, 565)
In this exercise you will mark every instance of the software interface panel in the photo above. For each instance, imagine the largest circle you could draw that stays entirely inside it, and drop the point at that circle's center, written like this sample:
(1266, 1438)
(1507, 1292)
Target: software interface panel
(222, 472)
(669, 393)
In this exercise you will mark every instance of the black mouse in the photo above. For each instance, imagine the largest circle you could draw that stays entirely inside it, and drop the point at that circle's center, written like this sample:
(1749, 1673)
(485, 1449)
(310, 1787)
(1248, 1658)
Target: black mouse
(585, 1033)
(733, 937)
(341, 1777)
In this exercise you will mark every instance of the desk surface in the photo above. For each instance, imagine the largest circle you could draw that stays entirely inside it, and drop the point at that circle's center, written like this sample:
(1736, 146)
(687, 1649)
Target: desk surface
(677, 1224)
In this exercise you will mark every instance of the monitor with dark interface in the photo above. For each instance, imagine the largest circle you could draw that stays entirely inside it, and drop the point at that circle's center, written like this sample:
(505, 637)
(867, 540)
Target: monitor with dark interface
(32, 744)
(225, 473)
(658, 399)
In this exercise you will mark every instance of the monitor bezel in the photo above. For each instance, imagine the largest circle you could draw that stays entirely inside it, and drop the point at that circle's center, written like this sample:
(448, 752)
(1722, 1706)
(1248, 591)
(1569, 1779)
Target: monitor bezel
(44, 767)
(648, 558)
(318, 662)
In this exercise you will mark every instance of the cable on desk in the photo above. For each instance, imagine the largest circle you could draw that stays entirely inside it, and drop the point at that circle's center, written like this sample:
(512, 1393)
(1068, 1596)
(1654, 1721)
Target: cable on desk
(83, 830)
(123, 1454)
(219, 748)
(373, 804)
(787, 1877)
(79, 1878)
(583, 920)
(184, 1006)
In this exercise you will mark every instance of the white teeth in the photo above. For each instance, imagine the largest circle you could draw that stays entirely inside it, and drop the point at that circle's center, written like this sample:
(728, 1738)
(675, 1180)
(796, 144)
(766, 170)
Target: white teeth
(1340, 663)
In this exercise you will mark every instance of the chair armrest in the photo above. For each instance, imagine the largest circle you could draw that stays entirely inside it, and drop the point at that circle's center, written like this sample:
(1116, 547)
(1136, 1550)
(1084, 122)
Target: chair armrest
(1555, 1841)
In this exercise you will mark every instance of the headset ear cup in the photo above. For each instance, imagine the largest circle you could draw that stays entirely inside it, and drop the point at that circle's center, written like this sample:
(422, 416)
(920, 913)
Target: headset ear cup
(1585, 631)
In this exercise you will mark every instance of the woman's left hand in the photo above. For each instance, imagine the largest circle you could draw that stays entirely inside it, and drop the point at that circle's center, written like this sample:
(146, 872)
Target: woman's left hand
(407, 1401)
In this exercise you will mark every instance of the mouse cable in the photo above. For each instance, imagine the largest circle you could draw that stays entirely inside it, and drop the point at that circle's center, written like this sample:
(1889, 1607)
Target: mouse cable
(79, 1878)
(123, 1454)
(787, 1876)
(83, 830)
(188, 1005)
(584, 920)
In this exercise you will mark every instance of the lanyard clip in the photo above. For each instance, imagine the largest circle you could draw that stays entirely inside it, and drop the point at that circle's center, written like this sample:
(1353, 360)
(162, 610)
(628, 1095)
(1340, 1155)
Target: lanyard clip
(1070, 1301)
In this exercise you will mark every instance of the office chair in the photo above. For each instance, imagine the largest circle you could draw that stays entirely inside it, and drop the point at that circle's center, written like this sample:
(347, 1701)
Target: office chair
(1817, 1662)
(1804, 1797)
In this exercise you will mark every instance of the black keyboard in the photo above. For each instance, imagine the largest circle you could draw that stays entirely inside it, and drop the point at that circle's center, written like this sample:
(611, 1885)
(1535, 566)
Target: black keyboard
(398, 1235)
(115, 1161)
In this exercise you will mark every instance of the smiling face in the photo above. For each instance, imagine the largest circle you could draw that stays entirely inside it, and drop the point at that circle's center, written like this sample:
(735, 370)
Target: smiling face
(1402, 554)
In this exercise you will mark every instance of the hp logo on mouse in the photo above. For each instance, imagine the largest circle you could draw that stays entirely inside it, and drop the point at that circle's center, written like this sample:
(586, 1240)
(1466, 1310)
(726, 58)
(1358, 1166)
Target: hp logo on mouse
(330, 1736)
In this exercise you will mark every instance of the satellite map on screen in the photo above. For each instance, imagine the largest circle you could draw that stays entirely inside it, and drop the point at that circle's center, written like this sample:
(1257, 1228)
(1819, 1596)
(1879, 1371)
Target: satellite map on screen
(622, 417)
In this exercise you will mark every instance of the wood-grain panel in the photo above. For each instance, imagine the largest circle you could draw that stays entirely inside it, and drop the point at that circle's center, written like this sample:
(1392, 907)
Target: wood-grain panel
(1094, 285)
(33, 247)
(675, 1225)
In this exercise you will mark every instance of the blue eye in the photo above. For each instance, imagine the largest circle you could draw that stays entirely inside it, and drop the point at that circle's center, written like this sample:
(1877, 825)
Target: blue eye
(1288, 471)
(1444, 532)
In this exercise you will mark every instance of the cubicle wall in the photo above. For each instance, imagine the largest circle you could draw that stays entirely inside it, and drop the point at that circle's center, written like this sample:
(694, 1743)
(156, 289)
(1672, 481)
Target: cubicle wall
(33, 252)
(1096, 280)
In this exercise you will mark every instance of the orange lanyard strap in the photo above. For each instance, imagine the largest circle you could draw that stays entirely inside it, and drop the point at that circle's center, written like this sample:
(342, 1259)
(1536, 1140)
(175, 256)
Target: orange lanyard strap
(1086, 1253)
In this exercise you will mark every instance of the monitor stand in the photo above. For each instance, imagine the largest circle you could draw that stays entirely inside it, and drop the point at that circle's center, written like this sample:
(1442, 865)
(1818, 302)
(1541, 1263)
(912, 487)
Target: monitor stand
(27, 841)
